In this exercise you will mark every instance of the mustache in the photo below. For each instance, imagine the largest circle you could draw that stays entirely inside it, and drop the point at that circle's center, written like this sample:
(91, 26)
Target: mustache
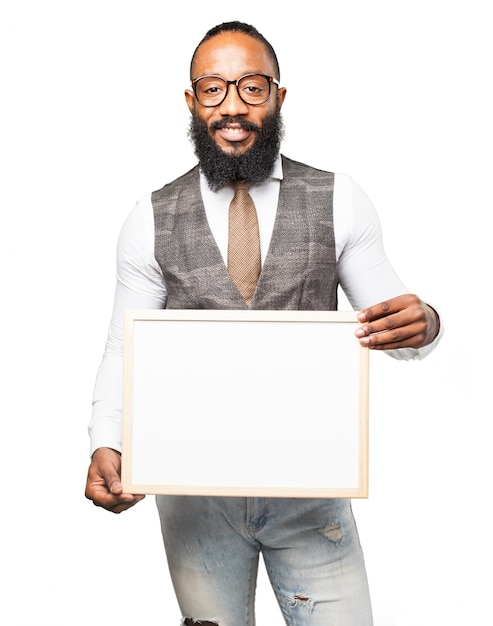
(218, 124)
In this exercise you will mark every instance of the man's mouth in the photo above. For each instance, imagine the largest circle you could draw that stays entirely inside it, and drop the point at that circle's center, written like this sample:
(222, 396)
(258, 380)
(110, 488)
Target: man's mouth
(233, 131)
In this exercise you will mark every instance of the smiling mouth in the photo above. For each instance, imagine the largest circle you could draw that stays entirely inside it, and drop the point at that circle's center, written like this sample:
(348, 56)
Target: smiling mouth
(234, 130)
(233, 133)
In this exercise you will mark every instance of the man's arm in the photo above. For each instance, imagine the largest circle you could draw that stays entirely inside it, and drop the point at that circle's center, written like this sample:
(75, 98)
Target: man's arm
(401, 323)
(139, 285)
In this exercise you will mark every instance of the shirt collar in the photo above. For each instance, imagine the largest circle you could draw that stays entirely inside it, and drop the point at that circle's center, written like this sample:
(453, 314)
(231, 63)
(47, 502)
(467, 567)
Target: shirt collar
(277, 169)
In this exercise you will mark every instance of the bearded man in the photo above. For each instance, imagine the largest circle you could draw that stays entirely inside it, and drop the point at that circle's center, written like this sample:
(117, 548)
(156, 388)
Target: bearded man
(314, 231)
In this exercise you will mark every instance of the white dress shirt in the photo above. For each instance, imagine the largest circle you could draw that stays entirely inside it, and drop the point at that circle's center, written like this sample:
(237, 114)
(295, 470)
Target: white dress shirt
(366, 276)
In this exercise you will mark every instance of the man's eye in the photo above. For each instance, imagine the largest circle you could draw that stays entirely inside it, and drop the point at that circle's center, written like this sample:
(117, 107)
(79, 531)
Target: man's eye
(255, 87)
(210, 88)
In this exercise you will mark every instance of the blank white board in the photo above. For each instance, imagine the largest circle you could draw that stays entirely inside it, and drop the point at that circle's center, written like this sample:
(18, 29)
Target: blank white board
(245, 403)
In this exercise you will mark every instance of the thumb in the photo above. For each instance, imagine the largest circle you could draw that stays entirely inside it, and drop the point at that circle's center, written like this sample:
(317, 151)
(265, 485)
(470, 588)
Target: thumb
(114, 484)
(106, 465)
(112, 479)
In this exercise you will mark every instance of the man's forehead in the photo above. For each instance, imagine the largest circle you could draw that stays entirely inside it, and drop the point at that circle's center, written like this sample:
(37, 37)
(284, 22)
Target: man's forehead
(232, 49)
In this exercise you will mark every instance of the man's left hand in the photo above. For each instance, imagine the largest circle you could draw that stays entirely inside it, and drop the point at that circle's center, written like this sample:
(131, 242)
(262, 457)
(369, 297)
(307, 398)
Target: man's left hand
(401, 322)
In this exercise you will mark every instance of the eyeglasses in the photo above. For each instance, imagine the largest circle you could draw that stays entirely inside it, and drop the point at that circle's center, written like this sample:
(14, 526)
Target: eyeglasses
(254, 89)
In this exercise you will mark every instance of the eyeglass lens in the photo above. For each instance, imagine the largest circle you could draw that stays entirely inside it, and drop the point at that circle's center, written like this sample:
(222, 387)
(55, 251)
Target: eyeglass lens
(212, 90)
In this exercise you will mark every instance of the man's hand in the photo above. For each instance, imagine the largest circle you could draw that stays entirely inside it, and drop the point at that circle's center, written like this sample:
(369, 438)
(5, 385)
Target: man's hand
(401, 322)
(103, 485)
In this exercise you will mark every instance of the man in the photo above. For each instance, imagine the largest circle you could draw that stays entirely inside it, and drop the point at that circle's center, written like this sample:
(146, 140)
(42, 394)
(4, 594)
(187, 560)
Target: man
(317, 230)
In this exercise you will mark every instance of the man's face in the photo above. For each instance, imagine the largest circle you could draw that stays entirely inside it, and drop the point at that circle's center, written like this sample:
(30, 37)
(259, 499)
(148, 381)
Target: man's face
(231, 55)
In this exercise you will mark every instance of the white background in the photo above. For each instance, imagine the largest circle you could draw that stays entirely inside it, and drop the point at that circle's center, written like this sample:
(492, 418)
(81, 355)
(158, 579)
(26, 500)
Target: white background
(397, 94)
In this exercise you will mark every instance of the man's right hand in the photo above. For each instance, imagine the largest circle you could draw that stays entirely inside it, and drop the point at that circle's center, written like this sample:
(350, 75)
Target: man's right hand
(103, 484)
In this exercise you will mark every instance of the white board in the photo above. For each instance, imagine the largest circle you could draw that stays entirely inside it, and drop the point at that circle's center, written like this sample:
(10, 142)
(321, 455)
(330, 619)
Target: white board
(250, 403)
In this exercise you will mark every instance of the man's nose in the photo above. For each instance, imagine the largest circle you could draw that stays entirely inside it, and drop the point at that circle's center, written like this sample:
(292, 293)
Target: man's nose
(233, 105)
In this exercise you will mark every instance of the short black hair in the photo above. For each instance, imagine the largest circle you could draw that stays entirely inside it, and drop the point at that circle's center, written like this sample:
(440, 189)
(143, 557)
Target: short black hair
(239, 27)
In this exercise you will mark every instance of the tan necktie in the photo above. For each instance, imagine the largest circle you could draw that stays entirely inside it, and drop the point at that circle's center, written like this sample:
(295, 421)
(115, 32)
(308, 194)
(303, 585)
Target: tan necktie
(244, 261)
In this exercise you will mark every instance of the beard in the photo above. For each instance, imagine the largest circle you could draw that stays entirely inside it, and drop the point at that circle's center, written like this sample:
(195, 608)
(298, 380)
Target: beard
(253, 166)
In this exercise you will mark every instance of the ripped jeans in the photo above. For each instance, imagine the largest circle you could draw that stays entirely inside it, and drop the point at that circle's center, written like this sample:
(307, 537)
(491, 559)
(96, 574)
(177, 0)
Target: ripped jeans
(310, 547)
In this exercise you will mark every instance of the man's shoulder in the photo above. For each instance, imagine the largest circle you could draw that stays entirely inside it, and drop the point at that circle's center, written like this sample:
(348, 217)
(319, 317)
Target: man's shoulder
(183, 181)
(297, 168)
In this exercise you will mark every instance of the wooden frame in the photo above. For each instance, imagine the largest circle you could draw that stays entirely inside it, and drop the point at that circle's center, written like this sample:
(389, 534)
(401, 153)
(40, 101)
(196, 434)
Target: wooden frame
(298, 426)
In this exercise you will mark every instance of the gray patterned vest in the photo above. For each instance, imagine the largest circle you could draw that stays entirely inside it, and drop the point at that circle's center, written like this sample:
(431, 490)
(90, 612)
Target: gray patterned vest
(300, 269)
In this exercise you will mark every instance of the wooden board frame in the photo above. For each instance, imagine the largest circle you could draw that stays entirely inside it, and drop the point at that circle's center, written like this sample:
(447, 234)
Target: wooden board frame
(190, 427)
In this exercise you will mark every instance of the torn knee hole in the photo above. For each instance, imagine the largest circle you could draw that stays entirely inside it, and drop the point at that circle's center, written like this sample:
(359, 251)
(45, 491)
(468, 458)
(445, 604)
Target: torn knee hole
(333, 532)
(302, 601)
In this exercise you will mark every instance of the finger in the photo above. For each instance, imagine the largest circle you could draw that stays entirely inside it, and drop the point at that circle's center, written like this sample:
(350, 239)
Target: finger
(402, 318)
(374, 312)
(115, 504)
(409, 336)
(124, 506)
(390, 323)
(389, 307)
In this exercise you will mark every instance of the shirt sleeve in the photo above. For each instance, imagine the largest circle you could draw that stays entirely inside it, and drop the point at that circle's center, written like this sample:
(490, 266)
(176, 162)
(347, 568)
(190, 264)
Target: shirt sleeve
(139, 285)
(365, 273)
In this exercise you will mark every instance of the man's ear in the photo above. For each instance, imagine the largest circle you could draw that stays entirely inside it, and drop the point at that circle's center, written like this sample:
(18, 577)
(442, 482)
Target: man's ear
(281, 94)
(190, 99)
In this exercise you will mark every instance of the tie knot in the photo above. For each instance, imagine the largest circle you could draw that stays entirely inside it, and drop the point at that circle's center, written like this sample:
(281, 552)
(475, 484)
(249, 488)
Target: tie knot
(241, 185)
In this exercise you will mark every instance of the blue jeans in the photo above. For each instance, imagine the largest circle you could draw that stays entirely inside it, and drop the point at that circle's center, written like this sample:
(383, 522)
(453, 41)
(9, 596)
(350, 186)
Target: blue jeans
(310, 548)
